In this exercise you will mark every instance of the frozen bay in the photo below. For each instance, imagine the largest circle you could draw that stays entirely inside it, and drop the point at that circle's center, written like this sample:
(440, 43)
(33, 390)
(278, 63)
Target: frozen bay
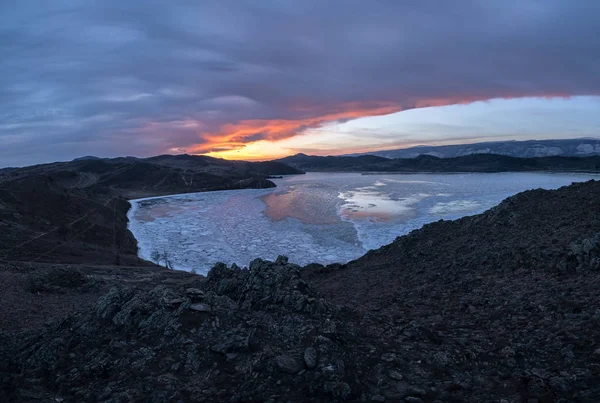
(317, 217)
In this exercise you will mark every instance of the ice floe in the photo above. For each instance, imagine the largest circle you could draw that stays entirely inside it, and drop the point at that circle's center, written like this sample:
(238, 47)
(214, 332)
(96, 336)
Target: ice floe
(322, 218)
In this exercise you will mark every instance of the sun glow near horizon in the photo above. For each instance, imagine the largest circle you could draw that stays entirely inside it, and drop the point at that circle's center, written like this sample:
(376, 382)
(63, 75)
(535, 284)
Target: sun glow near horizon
(493, 120)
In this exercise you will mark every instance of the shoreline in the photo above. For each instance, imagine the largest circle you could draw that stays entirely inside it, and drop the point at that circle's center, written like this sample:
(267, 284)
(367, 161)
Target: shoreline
(362, 229)
(134, 206)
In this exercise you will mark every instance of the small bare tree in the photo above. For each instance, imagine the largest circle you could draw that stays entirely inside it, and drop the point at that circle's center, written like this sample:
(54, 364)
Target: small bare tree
(165, 258)
(155, 257)
(158, 257)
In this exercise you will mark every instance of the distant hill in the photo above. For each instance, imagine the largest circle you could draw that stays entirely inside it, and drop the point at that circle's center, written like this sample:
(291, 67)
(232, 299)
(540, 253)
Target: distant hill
(427, 163)
(87, 157)
(141, 177)
(211, 164)
(522, 149)
(332, 163)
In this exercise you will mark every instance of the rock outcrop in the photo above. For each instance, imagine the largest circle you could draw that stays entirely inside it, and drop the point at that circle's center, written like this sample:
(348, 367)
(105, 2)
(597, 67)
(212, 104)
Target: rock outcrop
(238, 335)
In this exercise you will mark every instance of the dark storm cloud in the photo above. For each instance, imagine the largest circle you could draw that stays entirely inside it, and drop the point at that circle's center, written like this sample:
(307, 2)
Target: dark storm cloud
(141, 77)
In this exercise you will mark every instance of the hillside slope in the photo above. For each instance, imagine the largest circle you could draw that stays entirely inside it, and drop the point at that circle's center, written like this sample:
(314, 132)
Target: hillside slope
(516, 287)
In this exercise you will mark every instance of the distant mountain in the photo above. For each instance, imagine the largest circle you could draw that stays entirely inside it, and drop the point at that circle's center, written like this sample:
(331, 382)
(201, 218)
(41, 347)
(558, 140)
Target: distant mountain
(522, 149)
(428, 163)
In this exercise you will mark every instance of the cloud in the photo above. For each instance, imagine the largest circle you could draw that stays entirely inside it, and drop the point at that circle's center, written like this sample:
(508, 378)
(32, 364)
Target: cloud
(143, 77)
(234, 135)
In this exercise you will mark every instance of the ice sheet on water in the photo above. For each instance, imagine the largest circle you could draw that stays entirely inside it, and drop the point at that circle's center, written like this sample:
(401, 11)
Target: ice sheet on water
(321, 218)
(201, 229)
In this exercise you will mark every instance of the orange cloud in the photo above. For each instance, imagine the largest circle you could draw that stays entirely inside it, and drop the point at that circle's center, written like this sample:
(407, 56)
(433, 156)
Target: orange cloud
(236, 135)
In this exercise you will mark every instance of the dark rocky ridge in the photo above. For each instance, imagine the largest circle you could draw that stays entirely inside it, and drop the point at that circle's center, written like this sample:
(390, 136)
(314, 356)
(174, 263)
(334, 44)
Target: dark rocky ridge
(500, 307)
(515, 287)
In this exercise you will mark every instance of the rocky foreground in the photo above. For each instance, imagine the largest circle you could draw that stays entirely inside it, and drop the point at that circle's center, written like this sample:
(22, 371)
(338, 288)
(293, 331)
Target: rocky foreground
(498, 307)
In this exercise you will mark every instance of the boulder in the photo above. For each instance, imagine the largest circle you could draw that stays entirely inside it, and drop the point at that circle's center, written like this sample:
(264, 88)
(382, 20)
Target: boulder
(288, 364)
(310, 357)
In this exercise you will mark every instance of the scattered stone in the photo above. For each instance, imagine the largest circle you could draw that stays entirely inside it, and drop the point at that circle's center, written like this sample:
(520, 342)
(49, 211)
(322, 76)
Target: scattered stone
(388, 357)
(416, 391)
(338, 389)
(310, 357)
(200, 307)
(281, 260)
(172, 301)
(507, 352)
(395, 375)
(288, 364)
(232, 342)
(329, 327)
(194, 293)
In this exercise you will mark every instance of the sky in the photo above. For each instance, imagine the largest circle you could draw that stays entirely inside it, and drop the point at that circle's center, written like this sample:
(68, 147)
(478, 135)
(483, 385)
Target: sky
(262, 79)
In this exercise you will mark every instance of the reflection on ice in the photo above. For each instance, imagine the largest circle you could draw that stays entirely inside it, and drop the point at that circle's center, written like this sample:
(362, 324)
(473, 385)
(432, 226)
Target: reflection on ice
(322, 218)
(309, 204)
(375, 205)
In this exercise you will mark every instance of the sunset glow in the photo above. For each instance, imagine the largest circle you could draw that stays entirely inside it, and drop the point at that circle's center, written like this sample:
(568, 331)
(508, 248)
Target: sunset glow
(255, 140)
(258, 139)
